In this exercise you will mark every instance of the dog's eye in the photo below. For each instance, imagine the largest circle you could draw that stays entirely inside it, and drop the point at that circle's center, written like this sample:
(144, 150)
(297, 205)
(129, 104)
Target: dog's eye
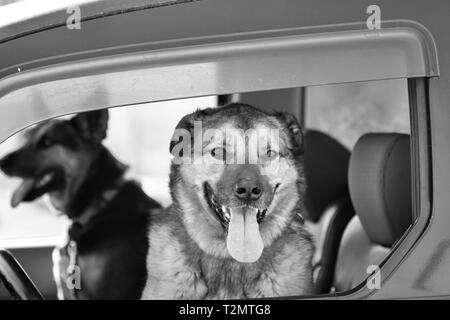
(218, 153)
(271, 154)
(46, 142)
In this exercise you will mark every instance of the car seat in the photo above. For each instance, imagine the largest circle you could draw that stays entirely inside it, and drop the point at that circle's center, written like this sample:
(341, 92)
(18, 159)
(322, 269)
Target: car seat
(380, 190)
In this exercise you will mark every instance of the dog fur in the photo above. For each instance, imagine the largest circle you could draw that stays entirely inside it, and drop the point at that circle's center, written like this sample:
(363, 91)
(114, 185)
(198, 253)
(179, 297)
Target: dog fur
(66, 160)
(188, 255)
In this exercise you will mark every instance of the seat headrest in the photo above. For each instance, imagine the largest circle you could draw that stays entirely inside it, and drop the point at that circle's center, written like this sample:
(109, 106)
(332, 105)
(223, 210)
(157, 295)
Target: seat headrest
(326, 167)
(380, 185)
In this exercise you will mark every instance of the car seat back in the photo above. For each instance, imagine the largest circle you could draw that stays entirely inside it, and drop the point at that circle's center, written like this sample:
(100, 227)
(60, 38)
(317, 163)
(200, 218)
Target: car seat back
(380, 190)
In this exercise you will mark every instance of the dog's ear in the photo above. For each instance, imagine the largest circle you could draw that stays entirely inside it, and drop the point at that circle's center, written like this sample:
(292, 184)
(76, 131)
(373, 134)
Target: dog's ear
(186, 126)
(295, 130)
(186, 123)
(92, 125)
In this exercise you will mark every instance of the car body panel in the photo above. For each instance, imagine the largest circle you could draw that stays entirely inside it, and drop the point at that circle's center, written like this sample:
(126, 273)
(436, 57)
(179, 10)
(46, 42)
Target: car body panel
(37, 262)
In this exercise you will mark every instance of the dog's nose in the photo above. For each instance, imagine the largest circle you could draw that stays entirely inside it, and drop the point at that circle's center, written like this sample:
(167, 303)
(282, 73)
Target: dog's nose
(7, 162)
(248, 189)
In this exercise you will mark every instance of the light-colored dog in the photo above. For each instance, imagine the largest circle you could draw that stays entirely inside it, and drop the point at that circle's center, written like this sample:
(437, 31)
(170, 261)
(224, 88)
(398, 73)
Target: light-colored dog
(234, 229)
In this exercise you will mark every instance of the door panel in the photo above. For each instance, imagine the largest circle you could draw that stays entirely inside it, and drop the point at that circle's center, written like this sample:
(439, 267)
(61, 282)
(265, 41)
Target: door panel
(37, 263)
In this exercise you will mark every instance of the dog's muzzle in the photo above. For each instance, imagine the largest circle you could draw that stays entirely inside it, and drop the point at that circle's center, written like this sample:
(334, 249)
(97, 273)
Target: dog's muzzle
(34, 187)
(222, 213)
(241, 225)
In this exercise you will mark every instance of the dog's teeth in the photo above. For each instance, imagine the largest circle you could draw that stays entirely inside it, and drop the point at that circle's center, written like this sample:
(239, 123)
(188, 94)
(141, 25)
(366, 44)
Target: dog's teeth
(46, 179)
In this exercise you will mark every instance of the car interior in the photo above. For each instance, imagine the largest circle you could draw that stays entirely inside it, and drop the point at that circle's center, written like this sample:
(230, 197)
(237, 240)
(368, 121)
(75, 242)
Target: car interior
(358, 202)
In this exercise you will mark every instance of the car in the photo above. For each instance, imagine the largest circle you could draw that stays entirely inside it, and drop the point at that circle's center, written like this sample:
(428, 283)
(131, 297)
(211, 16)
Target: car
(77, 56)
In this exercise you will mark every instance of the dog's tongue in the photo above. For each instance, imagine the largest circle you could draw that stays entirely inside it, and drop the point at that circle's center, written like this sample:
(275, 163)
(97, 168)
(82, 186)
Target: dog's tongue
(25, 188)
(244, 241)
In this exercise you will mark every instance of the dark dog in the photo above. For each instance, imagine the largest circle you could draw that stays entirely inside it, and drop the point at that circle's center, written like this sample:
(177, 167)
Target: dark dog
(234, 229)
(104, 255)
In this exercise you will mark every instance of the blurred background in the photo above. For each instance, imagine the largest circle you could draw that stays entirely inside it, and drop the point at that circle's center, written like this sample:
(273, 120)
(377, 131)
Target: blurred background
(346, 111)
